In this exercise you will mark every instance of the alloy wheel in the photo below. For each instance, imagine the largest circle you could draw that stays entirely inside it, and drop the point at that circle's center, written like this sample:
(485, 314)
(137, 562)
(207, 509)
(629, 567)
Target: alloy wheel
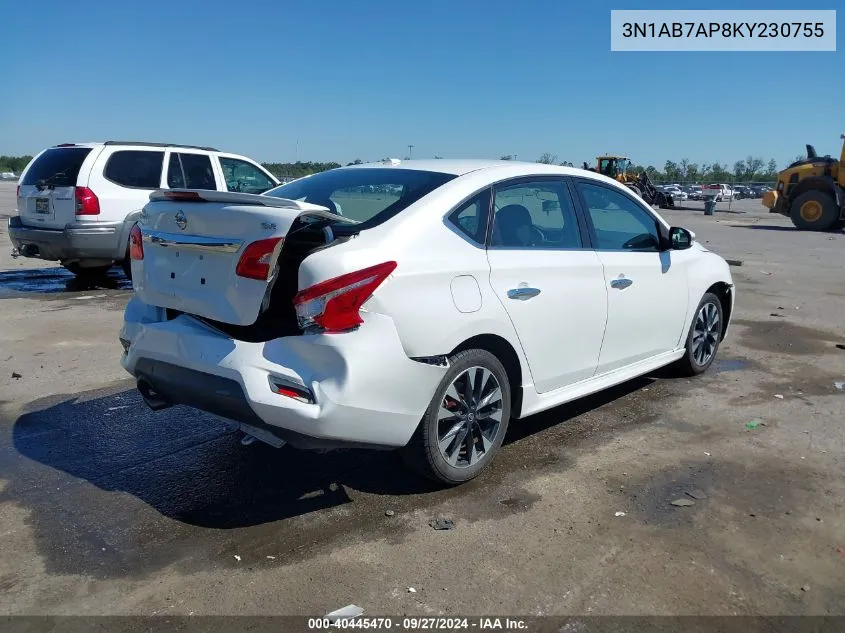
(706, 332)
(469, 417)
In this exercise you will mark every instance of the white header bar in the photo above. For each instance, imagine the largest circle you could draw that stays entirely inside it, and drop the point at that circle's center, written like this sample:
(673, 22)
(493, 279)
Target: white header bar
(723, 30)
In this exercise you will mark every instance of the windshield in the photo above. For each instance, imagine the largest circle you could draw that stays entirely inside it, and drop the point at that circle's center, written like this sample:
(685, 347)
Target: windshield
(57, 167)
(366, 195)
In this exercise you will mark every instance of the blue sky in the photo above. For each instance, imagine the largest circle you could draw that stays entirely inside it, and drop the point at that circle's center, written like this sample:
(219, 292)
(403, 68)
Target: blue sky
(344, 80)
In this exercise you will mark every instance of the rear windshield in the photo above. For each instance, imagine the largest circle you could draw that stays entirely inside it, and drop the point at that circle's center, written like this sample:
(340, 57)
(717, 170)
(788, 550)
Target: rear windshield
(58, 167)
(367, 195)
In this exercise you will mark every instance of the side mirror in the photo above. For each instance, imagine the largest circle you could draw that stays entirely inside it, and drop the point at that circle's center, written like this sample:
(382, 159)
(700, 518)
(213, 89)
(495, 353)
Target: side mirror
(681, 238)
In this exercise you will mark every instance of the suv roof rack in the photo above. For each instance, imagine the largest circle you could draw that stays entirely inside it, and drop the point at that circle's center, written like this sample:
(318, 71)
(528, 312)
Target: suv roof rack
(148, 144)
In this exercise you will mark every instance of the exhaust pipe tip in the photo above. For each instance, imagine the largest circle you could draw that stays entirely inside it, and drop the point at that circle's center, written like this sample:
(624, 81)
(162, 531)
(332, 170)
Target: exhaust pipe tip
(151, 398)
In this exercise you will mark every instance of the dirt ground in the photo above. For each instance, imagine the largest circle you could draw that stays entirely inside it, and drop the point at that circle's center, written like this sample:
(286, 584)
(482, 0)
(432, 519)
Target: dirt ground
(108, 508)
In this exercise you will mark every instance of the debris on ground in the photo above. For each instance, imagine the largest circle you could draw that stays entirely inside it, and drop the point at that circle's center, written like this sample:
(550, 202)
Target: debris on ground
(344, 613)
(442, 524)
(840, 346)
(411, 590)
(683, 503)
(706, 453)
(734, 262)
(619, 514)
(237, 558)
(775, 314)
(840, 386)
(696, 494)
(753, 424)
(779, 396)
(805, 588)
(271, 558)
(389, 513)
(16, 375)
(765, 272)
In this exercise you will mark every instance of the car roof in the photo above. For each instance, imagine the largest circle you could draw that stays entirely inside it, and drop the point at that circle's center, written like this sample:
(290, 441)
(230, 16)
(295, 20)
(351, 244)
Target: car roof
(134, 144)
(461, 166)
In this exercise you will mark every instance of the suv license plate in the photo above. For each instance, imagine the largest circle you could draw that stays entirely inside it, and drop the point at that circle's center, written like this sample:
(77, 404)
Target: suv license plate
(42, 205)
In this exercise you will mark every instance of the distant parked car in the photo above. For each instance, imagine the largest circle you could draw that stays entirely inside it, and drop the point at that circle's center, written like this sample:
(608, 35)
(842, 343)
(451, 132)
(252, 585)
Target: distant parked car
(719, 191)
(8, 175)
(741, 192)
(676, 192)
(694, 192)
(77, 202)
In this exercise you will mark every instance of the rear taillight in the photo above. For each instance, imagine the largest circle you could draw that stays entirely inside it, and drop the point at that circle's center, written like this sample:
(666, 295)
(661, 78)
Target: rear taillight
(86, 202)
(136, 243)
(334, 305)
(18, 192)
(258, 257)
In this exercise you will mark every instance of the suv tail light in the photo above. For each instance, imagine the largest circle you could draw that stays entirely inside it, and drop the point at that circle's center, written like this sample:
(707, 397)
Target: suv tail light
(86, 202)
(258, 257)
(333, 306)
(136, 244)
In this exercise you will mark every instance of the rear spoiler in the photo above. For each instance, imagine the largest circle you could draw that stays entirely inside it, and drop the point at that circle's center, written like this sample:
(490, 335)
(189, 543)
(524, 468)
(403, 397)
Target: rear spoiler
(199, 195)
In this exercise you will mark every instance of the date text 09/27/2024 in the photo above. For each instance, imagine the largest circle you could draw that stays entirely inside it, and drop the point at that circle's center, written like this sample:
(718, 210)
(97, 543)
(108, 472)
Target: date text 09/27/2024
(423, 623)
(723, 29)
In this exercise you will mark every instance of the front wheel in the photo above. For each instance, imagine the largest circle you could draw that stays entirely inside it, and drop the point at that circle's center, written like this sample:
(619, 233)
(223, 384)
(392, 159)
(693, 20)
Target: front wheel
(814, 211)
(466, 422)
(704, 337)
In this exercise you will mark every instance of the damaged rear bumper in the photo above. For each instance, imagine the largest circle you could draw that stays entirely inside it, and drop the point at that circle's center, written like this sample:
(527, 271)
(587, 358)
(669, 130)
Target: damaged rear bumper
(312, 391)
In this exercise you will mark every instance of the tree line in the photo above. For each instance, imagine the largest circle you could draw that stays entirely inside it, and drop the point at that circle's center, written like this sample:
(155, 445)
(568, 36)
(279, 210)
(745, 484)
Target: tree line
(751, 169)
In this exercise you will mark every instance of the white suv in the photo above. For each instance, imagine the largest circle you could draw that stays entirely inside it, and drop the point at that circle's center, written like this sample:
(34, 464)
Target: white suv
(78, 201)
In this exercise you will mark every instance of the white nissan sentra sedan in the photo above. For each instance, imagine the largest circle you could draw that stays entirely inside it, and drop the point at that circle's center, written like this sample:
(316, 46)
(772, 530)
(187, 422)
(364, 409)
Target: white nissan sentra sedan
(417, 305)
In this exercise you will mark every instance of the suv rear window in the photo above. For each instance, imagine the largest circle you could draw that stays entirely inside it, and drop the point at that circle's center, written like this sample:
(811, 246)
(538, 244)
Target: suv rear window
(58, 166)
(368, 195)
(135, 168)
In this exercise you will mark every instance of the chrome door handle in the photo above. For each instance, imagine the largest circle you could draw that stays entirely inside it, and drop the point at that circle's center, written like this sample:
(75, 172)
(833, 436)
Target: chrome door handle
(621, 284)
(523, 293)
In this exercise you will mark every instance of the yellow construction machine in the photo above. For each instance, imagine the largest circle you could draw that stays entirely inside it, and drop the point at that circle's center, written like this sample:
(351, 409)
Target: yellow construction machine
(811, 192)
(617, 167)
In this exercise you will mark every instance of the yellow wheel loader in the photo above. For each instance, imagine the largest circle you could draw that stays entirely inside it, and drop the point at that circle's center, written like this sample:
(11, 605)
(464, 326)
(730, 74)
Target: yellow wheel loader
(811, 192)
(617, 167)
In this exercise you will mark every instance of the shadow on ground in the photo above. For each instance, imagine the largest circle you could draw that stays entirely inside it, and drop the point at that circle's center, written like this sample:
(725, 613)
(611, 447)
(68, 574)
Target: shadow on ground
(56, 280)
(196, 483)
(778, 227)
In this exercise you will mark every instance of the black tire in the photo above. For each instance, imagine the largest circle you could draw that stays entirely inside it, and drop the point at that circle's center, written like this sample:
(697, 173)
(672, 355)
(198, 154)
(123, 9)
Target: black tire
(87, 273)
(689, 364)
(814, 211)
(423, 452)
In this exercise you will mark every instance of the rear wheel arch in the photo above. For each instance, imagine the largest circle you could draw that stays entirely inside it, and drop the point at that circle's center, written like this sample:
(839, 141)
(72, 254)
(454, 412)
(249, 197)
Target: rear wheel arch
(723, 291)
(509, 358)
(823, 184)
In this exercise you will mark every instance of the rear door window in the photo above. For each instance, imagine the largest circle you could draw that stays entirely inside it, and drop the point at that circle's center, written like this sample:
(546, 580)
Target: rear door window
(135, 168)
(57, 167)
(244, 177)
(190, 171)
(535, 215)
